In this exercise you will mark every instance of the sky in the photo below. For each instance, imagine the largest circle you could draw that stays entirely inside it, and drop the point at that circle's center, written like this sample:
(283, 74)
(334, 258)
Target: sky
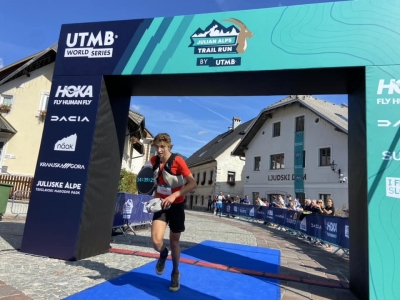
(31, 26)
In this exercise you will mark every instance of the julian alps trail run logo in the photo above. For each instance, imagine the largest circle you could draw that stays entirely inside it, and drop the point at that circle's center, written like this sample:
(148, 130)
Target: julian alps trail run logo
(217, 39)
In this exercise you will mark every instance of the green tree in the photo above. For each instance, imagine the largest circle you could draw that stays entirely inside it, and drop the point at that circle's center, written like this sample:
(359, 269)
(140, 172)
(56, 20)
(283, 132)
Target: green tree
(127, 182)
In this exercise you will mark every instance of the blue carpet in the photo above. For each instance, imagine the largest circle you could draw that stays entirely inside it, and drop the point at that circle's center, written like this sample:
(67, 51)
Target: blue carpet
(235, 255)
(197, 282)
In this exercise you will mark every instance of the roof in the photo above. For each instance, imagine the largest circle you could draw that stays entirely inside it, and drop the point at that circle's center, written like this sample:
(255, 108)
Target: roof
(336, 115)
(28, 64)
(5, 126)
(218, 145)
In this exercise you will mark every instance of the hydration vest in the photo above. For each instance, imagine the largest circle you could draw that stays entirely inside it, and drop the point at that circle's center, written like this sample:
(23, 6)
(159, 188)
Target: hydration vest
(172, 180)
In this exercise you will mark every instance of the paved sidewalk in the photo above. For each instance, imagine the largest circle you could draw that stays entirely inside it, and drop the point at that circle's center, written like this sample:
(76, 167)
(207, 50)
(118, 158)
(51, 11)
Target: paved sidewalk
(24, 276)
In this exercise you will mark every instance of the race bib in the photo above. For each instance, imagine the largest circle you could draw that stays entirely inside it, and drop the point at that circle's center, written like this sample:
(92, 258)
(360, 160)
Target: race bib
(164, 190)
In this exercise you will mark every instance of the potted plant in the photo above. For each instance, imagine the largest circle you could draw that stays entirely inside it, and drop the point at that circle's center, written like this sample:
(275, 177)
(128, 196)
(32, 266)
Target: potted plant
(5, 107)
(210, 182)
(231, 183)
(203, 182)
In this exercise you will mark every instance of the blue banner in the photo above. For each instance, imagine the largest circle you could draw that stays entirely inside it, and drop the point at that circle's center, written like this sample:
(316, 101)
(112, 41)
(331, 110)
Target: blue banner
(129, 209)
(334, 230)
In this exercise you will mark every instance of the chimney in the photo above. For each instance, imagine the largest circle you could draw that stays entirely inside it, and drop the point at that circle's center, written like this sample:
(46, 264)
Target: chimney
(236, 122)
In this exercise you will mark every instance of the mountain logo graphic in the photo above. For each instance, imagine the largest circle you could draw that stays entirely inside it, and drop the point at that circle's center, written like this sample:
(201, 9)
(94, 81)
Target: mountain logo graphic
(66, 144)
(218, 39)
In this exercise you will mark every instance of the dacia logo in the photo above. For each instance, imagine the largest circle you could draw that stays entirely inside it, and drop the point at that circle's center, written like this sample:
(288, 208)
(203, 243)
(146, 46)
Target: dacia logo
(69, 119)
(387, 123)
(316, 226)
(73, 91)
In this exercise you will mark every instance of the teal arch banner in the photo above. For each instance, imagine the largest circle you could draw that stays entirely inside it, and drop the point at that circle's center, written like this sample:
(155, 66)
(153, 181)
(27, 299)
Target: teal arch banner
(332, 34)
(310, 35)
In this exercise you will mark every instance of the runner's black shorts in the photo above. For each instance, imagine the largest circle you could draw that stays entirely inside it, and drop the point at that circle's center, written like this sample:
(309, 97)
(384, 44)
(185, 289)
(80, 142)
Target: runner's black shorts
(174, 217)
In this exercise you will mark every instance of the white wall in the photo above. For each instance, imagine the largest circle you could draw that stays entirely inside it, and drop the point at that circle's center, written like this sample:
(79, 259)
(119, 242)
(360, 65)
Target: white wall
(203, 191)
(228, 163)
(224, 162)
(319, 180)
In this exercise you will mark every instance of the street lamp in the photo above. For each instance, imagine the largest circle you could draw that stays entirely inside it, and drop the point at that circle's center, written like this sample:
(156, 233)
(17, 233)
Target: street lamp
(339, 172)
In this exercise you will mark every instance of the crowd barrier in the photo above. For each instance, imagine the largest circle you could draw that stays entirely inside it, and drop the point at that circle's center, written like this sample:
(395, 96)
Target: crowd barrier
(20, 203)
(129, 212)
(333, 230)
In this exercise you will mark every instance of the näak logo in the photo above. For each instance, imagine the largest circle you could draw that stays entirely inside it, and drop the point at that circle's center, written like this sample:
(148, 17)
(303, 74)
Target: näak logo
(66, 144)
(218, 39)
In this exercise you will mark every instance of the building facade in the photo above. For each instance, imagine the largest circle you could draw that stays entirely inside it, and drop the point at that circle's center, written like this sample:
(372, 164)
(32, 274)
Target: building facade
(215, 168)
(25, 88)
(297, 147)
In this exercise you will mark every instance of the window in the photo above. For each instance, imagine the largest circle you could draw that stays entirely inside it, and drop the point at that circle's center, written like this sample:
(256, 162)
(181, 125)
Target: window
(257, 163)
(304, 159)
(231, 177)
(5, 102)
(324, 157)
(301, 197)
(276, 129)
(198, 178)
(204, 178)
(300, 124)
(6, 99)
(211, 177)
(277, 161)
(324, 197)
(44, 101)
(202, 200)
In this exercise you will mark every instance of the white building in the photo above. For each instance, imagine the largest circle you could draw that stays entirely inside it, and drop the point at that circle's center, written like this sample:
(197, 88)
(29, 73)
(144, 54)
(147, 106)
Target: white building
(269, 150)
(216, 169)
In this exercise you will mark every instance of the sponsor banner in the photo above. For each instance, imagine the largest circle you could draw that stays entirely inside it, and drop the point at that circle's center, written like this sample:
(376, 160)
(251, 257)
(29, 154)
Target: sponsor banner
(129, 209)
(280, 216)
(291, 219)
(383, 157)
(221, 38)
(315, 226)
(58, 187)
(298, 162)
(96, 48)
(66, 144)
(62, 165)
(334, 230)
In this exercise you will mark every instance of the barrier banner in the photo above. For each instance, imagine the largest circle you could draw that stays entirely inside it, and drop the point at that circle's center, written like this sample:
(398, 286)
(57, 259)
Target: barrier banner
(344, 233)
(259, 213)
(129, 209)
(291, 219)
(280, 216)
(334, 230)
(315, 226)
